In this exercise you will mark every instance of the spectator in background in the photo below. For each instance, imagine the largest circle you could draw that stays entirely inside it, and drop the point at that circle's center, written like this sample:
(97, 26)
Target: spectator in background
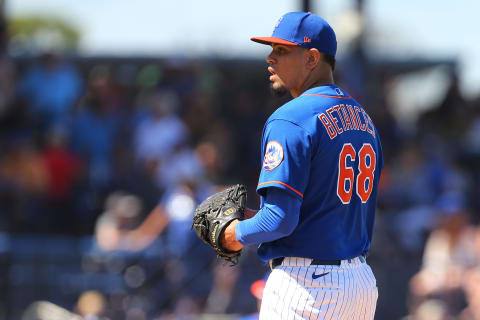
(452, 248)
(171, 219)
(451, 117)
(24, 182)
(93, 137)
(122, 213)
(94, 129)
(63, 170)
(419, 179)
(103, 88)
(211, 157)
(218, 153)
(135, 178)
(202, 113)
(50, 88)
(161, 130)
(179, 163)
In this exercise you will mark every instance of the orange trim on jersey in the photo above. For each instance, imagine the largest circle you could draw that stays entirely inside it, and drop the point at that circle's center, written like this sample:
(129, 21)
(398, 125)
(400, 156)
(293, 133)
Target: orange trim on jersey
(283, 184)
(326, 96)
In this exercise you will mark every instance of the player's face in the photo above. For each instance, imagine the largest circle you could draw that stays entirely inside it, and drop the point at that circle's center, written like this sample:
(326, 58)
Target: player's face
(286, 68)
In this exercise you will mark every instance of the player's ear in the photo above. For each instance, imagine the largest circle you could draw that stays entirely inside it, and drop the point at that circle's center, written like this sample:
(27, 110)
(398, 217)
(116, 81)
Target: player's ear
(312, 58)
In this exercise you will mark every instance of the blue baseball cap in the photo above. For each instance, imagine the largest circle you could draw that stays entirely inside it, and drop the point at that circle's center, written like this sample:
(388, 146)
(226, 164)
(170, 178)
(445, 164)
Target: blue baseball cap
(303, 29)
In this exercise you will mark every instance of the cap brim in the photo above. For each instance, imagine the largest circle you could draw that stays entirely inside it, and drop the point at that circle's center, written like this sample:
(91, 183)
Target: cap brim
(270, 40)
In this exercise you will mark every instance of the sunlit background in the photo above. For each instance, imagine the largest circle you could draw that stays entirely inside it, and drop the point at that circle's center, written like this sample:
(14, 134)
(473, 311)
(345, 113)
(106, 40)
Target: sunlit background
(118, 117)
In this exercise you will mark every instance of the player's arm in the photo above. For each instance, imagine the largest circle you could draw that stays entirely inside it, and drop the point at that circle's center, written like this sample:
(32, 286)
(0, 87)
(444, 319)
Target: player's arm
(270, 223)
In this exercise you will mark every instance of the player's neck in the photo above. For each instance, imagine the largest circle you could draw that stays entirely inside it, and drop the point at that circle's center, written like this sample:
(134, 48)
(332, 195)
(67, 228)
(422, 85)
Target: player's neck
(323, 81)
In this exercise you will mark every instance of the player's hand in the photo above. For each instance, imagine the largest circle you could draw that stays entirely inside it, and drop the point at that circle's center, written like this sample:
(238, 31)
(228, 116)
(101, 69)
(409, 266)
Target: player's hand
(229, 239)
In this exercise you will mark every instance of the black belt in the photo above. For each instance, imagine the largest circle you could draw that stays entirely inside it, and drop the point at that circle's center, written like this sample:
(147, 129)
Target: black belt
(315, 262)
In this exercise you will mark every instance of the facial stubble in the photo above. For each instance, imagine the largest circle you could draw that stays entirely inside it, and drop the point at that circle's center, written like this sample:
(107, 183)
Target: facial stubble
(278, 91)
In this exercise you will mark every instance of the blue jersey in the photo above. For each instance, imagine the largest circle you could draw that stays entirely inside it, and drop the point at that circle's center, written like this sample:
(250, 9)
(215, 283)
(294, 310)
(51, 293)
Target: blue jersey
(323, 148)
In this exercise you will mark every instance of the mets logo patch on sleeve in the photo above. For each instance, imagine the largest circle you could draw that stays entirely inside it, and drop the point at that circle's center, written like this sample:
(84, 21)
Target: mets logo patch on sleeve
(273, 155)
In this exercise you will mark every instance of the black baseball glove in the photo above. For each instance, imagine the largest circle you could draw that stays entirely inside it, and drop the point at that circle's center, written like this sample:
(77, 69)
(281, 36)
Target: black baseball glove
(214, 214)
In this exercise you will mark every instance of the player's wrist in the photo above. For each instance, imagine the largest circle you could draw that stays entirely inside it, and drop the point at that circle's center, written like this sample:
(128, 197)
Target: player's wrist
(229, 239)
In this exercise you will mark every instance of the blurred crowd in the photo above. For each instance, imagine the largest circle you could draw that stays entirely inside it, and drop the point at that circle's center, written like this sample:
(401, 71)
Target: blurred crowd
(70, 139)
(123, 151)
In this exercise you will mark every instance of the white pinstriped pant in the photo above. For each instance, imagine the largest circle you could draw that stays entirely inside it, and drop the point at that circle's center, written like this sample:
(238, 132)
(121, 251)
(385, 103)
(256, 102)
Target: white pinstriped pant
(348, 291)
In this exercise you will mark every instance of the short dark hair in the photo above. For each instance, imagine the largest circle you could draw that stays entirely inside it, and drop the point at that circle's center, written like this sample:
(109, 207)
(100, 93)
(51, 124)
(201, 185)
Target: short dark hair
(330, 60)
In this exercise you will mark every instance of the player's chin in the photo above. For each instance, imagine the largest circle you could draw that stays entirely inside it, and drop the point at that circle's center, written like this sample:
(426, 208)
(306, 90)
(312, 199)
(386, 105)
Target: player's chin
(278, 89)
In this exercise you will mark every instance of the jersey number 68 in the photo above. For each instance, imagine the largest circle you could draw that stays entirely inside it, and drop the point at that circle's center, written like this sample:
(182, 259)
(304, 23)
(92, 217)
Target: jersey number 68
(346, 174)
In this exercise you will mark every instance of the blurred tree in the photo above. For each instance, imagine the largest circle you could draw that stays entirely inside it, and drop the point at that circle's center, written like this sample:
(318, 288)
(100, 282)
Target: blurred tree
(33, 34)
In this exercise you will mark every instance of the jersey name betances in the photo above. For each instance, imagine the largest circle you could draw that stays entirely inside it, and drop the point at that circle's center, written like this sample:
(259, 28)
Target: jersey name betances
(344, 117)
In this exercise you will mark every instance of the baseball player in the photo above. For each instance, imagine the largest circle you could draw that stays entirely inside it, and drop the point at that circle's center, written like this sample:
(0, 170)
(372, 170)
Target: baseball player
(318, 184)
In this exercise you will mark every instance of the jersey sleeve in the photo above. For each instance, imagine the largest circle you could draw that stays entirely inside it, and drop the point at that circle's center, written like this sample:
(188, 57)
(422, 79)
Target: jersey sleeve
(286, 155)
(277, 218)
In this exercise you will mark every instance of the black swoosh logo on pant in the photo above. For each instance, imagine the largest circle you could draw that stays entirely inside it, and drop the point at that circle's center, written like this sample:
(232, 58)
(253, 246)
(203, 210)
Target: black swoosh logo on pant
(316, 276)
